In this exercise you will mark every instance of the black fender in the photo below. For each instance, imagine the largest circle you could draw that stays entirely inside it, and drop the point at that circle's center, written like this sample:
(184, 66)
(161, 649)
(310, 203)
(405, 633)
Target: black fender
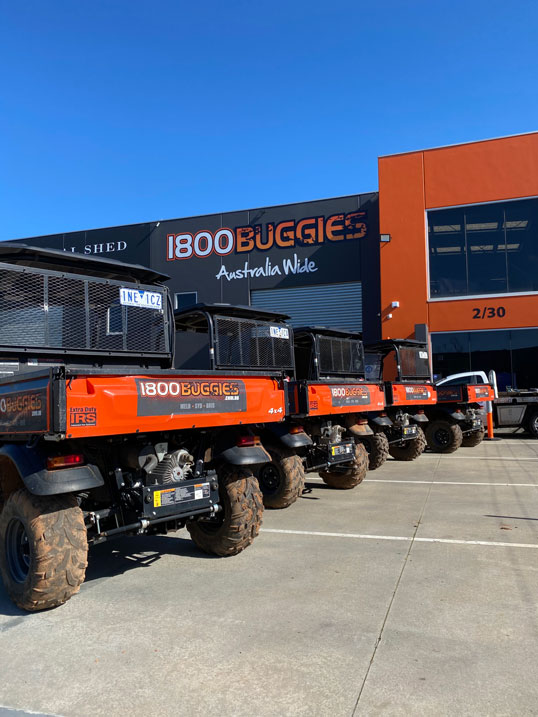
(381, 421)
(31, 466)
(360, 429)
(290, 440)
(419, 417)
(447, 412)
(244, 455)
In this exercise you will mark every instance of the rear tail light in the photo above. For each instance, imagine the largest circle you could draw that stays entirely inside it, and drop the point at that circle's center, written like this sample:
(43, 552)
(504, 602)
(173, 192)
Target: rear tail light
(248, 441)
(421, 410)
(73, 459)
(362, 421)
(296, 429)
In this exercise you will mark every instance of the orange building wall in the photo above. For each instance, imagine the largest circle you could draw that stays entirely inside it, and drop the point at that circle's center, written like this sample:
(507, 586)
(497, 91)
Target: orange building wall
(411, 183)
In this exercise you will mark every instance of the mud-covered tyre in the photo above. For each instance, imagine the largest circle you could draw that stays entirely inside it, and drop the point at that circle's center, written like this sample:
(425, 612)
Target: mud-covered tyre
(470, 440)
(282, 480)
(238, 522)
(43, 549)
(353, 475)
(443, 437)
(409, 450)
(377, 447)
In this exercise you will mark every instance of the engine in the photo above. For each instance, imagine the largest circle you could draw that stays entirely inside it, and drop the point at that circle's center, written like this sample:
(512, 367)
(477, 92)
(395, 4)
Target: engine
(160, 465)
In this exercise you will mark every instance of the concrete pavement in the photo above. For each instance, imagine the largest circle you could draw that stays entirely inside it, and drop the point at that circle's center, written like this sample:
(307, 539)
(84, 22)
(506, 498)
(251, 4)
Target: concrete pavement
(357, 611)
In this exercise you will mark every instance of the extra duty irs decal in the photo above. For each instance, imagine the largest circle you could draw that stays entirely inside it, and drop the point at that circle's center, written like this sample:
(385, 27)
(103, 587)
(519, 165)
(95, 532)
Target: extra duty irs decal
(179, 397)
(350, 395)
(82, 416)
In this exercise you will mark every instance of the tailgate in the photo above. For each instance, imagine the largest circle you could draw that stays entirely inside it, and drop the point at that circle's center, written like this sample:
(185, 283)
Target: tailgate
(417, 394)
(325, 399)
(112, 405)
(25, 404)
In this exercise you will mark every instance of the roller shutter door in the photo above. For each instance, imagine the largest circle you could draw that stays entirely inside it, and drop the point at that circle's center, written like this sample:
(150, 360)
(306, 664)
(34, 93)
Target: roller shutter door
(336, 305)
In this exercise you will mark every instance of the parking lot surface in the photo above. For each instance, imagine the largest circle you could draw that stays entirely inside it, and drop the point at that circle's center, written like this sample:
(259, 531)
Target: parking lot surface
(414, 594)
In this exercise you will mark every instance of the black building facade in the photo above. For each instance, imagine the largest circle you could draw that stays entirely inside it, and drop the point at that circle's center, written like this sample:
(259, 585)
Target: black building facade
(317, 261)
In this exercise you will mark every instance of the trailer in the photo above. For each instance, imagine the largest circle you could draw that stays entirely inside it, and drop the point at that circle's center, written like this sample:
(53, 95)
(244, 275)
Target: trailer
(100, 436)
(517, 408)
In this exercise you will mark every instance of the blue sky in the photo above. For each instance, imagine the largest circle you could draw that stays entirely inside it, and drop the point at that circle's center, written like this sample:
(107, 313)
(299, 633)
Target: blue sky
(120, 111)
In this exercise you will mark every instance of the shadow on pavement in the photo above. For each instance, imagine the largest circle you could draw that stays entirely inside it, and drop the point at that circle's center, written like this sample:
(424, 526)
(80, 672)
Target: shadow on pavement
(116, 557)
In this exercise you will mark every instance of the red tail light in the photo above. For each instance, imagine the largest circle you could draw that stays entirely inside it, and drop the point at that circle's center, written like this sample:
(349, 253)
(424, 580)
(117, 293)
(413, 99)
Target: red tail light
(74, 459)
(296, 429)
(248, 441)
(421, 410)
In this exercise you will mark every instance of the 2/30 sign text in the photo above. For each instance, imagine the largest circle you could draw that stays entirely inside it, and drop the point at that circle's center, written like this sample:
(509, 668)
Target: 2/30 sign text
(489, 312)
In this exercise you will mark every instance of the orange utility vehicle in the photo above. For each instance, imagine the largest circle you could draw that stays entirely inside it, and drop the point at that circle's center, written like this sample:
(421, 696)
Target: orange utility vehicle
(331, 400)
(222, 335)
(404, 367)
(100, 436)
(458, 418)
(326, 394)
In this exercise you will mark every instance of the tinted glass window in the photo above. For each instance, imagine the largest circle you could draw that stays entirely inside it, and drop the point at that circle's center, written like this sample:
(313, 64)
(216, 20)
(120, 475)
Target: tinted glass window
(491, 350)
(448, 272)
(511, 354)
(450, 354)
(524, 345)
(486, 255)
(484, 249)
(521, 220)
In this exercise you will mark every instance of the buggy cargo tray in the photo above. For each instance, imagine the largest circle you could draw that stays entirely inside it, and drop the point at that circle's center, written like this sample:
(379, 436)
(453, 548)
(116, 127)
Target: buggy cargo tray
(320, 398)
(91, 404)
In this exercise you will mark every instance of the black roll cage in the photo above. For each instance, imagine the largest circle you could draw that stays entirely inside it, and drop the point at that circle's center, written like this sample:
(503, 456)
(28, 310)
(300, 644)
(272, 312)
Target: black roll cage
(200, 318)
(386, 346)
(307, 338)
(51, 263)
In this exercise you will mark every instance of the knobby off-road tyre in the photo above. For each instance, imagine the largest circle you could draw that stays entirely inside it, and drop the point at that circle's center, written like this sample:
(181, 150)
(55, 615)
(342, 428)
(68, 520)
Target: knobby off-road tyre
(377, 447)
(353, 475)
(238, 523)
(443, 437)
(470, 440)
(43, 549)
(282, 480)
(409, 450)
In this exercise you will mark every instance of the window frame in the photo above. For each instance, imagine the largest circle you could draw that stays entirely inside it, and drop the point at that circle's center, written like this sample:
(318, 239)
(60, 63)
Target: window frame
(463, 297)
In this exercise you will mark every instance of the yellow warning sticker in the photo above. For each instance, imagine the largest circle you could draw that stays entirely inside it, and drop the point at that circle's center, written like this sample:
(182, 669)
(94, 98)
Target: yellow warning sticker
(157, 499)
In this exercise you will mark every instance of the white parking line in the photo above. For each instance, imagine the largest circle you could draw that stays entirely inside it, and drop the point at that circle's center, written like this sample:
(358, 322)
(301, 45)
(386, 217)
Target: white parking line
(485, 458)
(316, 479)
(409, 539)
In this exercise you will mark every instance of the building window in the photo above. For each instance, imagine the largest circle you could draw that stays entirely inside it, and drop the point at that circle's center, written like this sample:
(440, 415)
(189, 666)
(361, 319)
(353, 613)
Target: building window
(511, 354)
(484, 249)
(183, 301)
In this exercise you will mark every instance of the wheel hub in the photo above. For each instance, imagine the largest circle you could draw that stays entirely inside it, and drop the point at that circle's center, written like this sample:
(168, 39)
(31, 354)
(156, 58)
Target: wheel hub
(269, 479)
(18, 554)
(442, 437)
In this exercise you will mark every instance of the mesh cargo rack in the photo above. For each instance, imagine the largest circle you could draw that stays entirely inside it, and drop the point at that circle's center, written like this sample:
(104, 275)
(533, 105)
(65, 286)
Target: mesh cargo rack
(87, 308)
(236, 337)
(328, 352)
